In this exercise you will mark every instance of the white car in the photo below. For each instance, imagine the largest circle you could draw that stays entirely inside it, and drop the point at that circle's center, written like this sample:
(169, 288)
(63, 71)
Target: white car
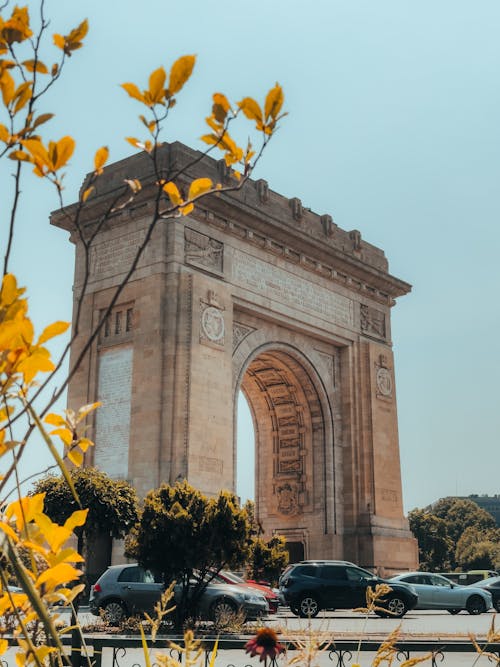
(437, 592)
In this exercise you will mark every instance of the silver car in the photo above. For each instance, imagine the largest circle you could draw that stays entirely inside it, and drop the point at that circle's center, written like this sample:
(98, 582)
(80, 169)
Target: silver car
(437, 592)
(126, 590)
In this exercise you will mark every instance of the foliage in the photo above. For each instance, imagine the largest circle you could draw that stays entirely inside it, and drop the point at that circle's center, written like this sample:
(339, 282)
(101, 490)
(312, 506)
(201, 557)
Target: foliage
(182, 533)
(267, 559)
(478, 550)
(33, 547)
(460, 513)
(439, 529)
(113, 505)
(435, 548)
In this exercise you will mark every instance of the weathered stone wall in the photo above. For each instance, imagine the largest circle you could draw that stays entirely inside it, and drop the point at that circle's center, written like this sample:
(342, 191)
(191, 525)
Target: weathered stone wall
(252, 291)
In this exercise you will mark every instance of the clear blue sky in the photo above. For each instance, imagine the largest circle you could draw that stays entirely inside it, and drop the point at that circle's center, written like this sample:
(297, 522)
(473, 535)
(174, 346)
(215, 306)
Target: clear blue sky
(393, 130)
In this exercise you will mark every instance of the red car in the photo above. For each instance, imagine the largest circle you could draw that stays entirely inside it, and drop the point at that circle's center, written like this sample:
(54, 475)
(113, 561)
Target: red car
(271, 597)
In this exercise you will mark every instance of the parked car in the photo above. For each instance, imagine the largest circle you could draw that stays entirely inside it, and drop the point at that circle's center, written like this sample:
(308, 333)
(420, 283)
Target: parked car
(492, 585)
(126, 590)
(470, 577)
(225, 576)
(437, 592)
(310, 586)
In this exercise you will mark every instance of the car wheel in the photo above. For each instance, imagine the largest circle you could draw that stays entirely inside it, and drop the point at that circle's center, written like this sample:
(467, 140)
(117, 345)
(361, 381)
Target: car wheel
(308, 606)
(475, 605)
(223, 610)
(114, 612)
(397, 606)
(453, 611)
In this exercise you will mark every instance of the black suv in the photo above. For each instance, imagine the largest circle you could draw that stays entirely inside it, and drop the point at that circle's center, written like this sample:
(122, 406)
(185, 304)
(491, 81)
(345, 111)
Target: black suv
(310, 586)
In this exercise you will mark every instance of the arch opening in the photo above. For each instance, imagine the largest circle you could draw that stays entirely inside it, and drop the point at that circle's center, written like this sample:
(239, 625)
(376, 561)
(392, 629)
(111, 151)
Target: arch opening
(293, 464)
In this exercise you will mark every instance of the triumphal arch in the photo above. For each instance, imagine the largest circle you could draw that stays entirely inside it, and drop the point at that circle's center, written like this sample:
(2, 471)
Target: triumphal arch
(250, 292)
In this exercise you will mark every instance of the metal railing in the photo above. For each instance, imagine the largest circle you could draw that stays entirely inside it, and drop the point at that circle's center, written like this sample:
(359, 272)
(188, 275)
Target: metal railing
(126, 651)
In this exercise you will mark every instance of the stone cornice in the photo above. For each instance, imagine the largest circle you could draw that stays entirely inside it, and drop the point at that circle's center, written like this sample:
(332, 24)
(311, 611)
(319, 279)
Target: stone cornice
(255, 214)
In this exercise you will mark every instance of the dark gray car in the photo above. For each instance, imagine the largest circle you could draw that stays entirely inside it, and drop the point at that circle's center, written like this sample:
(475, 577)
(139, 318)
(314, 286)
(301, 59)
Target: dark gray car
(126, 590)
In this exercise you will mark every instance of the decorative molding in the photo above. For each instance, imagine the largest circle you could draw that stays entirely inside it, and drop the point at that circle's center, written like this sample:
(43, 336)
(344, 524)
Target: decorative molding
(328, 225)
(262, 190)
(383, 378)
(372, 322)
(240, 332)
(288, 499)
(311, 264)
(212, 325)
(329, 362)
(355, 236)
(203, 251)
(297, 210)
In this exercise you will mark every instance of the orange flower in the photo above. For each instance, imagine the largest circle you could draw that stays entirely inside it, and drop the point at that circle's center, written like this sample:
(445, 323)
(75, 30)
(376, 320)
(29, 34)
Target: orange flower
(265, 644)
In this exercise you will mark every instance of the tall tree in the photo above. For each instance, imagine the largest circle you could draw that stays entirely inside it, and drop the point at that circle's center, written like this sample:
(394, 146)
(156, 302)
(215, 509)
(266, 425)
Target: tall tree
(113, 507)
(435, 548)
(459, 514)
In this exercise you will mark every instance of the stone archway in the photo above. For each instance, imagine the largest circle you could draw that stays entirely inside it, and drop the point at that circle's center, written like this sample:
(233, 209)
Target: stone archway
(250, 290)
(293, 444)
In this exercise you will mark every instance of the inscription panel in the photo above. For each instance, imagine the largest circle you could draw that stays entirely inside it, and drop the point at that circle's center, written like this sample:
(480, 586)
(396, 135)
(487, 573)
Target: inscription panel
(115, 255)
(282, 286)
(114, 389)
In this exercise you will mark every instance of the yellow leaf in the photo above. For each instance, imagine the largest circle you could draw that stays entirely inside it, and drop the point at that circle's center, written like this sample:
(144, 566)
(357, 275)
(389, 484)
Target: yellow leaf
(37, 149)
(86, 194)
(4, 645)
(180, 72)
(78, 33)
(78, 518)
(42, 118)
(35, 66)
(100, 159)
(8, 87)
(220, 107)
(210, 139)
(4, 133)
(75, 456)
(59, 41)
(65, 148)
(23, 94)
(199, 187)
(37, 362)
(54, 329)
(274, 102)
(86, 409)
(55, 420)
(157, 85)
(65, 434)
(60, 574)
(133, 91)
(186, 210)
(173, 192)
(84, 444)
(251, 109)
(135, 142)
(20, 155)
(9, 531)
(9, 291)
